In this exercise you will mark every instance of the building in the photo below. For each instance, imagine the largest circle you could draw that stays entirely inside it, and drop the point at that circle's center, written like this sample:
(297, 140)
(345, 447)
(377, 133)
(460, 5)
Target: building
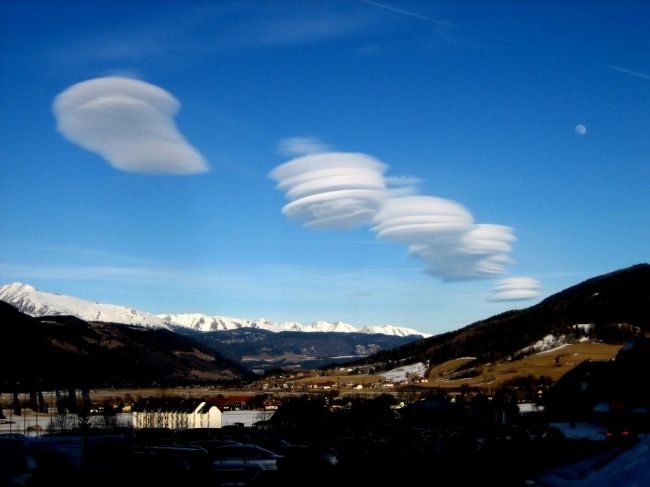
(175, 413)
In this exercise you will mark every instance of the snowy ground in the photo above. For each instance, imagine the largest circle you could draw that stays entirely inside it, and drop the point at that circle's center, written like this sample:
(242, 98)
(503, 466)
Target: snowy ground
(247, 418)
(400, 373)
(629, 468)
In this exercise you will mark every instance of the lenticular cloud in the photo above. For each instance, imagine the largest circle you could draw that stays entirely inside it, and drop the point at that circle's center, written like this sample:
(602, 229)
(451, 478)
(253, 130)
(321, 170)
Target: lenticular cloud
(345, 190)
(333, 190)
(515, 288)
(443, 234)
(128, 122)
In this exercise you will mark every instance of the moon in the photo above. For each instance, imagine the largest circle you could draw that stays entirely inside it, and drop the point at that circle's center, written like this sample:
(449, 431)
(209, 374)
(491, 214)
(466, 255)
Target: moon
(581, 129)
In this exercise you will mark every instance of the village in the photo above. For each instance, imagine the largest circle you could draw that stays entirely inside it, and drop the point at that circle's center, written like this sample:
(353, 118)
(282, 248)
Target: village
(290, 424)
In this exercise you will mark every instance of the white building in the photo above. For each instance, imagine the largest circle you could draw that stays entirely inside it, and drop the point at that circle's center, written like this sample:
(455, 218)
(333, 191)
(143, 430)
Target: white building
(175, 413)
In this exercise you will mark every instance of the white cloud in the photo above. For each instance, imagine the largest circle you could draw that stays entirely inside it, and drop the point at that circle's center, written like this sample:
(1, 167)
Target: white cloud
(443, 234)
(344, 190)
(128, 122)
(300, 146)
(515, 288)
(332, 189)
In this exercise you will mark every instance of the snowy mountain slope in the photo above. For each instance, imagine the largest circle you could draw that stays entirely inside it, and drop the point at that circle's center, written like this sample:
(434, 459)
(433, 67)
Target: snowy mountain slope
(37, 303)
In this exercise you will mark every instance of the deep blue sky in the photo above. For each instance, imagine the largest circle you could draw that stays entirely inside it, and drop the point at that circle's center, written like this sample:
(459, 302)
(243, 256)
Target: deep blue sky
(479, 101)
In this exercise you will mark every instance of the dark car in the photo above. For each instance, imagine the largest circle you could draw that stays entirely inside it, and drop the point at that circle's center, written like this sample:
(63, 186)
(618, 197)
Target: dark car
(243, 464)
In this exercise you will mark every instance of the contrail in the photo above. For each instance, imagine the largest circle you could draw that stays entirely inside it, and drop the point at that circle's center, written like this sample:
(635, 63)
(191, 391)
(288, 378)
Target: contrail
(491, 36)
(449, 24)
(626, 71)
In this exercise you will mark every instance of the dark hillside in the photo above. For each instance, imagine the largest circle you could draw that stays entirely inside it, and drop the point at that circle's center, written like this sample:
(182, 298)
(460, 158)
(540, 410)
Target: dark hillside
(262, 348)
(63, 351)
(608, 301)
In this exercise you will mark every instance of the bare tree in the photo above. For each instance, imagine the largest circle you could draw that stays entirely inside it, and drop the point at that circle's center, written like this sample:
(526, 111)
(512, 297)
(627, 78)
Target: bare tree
(61, 422)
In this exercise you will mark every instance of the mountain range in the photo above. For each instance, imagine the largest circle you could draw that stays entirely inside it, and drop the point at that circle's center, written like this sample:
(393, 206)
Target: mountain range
(146, 349)
(259, 345)
(38, 303)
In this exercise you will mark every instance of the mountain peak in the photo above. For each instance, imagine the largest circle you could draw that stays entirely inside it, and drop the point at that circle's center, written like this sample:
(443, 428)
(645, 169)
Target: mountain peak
(17, 287)
(33, 302)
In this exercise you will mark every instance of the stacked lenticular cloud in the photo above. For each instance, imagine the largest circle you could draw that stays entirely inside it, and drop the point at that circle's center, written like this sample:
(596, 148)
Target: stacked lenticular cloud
(443, 234)
(128, 122)
(332, 190)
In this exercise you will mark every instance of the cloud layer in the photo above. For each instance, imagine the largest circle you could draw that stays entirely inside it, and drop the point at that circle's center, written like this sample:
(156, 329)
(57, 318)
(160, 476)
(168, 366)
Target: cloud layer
(129, 123)
(333, 190)
(515, 288)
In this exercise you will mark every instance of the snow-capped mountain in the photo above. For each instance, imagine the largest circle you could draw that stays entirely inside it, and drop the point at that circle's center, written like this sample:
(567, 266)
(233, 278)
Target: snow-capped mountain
(37, 303)
(214, 323)
(33, 302)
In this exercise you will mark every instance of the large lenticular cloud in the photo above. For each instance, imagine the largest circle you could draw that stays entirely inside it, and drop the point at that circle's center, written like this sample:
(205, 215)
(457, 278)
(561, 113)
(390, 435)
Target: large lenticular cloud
(128, 122)
(332, 190)
(443, 234)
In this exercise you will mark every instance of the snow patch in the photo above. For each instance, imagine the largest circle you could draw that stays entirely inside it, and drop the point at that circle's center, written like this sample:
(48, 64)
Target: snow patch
(586, 327)
(401, 373)
(548, 343)
(554, 349)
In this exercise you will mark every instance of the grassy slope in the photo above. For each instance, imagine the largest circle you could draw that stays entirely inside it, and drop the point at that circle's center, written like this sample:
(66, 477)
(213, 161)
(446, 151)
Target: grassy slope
(493, 375)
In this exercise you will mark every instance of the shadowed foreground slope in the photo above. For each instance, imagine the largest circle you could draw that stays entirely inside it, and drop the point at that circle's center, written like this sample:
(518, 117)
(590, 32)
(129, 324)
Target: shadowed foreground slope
(62, 351)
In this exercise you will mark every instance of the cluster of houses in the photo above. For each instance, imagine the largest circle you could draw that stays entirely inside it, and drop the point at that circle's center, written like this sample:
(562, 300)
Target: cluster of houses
(305, 383)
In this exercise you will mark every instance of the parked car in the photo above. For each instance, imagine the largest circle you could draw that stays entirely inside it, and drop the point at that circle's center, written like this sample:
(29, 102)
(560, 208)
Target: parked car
(243, 464)
(620, 434)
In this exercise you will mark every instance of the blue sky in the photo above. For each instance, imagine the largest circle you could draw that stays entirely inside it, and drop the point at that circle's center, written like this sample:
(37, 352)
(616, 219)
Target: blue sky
(473, 103)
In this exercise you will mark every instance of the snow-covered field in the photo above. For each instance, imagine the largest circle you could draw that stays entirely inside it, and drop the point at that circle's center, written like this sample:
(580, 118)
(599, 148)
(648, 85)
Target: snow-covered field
(401, 373)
